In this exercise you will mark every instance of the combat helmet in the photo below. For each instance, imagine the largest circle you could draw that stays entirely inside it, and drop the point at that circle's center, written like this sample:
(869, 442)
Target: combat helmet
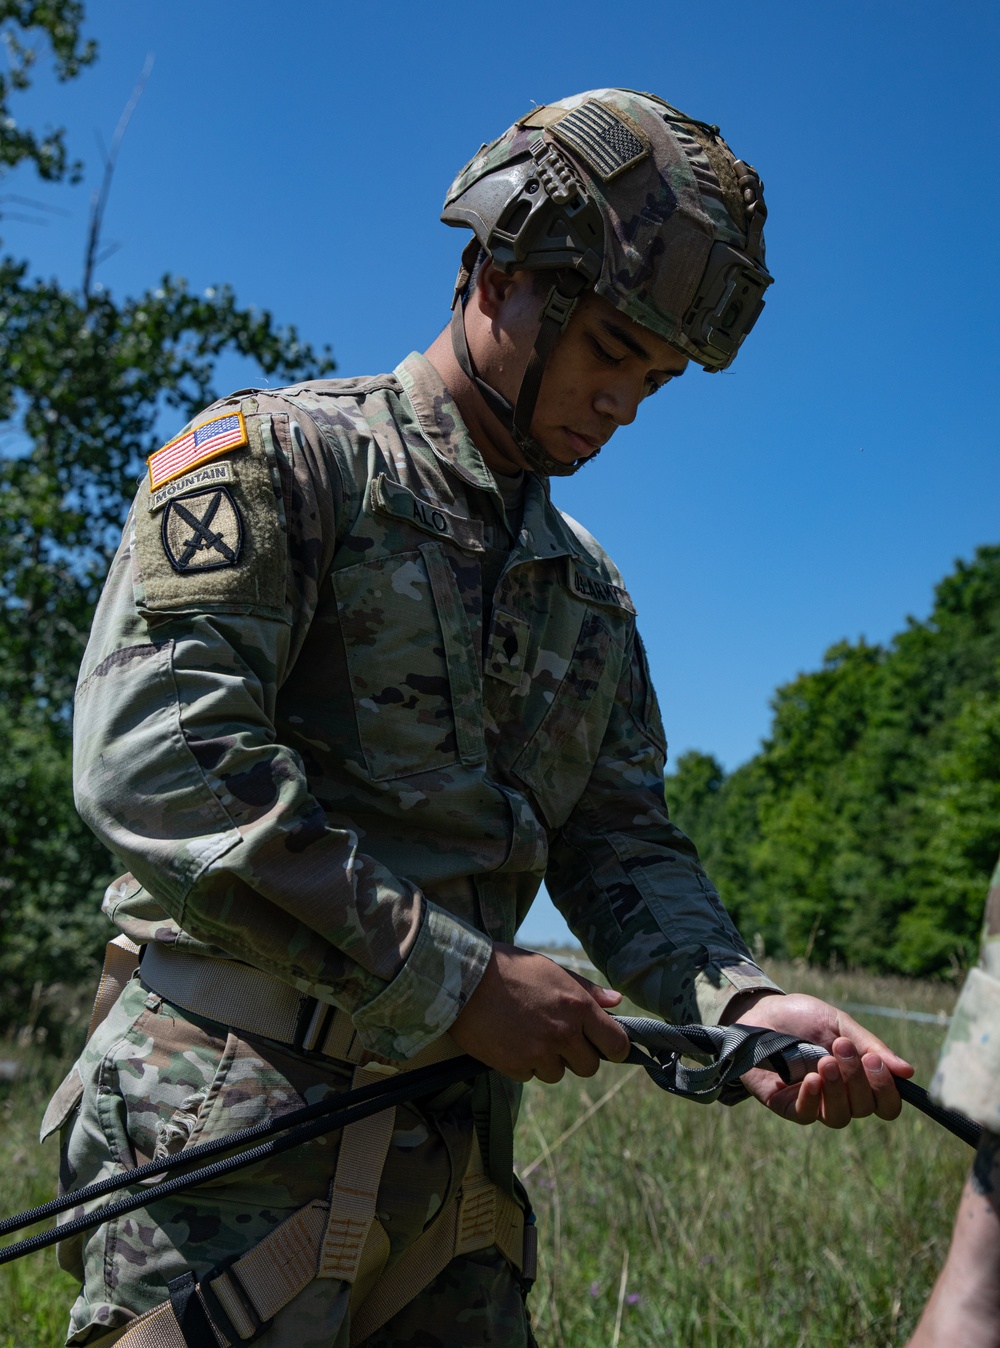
(618, 192)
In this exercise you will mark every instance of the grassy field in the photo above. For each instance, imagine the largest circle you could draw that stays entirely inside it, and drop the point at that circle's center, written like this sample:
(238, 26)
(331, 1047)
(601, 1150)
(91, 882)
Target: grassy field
(662, 1222)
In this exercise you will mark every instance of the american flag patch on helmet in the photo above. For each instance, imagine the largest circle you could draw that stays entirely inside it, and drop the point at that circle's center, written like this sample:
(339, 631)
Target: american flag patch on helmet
(606, 143)
(196, 446)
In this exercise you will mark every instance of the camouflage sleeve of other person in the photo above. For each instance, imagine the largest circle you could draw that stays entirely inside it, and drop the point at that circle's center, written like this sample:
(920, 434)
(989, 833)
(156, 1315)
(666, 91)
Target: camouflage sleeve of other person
(630, 884)
(968, 1071)
(177, 765)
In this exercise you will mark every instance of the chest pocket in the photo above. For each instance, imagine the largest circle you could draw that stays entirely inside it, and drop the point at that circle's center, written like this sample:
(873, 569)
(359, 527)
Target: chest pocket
(414, 676)
(557, 761)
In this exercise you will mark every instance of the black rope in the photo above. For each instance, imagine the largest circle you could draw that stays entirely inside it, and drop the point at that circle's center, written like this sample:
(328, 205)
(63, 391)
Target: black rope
(342, 1110)
(738, 1048)
(965, 1128)
(656, 1046)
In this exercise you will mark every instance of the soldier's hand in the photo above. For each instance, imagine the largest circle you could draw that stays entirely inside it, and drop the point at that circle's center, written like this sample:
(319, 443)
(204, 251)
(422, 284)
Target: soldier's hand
(853, 1081)
(530, 1017)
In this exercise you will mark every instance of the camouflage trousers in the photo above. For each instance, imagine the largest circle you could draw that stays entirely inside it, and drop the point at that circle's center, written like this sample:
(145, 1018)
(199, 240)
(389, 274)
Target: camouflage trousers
(157, 1079)
(968, 1071)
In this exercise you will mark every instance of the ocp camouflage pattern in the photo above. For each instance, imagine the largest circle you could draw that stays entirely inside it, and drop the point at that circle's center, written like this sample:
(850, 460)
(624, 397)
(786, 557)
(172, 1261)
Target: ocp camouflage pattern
(350, 762)
(968, 1070)
(154, 1080)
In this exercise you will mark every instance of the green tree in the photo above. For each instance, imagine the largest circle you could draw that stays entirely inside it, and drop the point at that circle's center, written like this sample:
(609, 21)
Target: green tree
(866, 828)
(84, 381)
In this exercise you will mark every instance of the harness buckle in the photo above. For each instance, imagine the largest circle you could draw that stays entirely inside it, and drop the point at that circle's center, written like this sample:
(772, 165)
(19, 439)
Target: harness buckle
(230, 1306)
(313, 1022)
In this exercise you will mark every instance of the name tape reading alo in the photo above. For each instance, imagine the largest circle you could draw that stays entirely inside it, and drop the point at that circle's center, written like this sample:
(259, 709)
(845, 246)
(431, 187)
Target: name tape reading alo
(392, 498)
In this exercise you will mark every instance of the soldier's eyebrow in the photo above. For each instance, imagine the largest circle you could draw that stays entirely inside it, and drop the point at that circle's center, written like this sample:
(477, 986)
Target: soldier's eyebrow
(630, 344)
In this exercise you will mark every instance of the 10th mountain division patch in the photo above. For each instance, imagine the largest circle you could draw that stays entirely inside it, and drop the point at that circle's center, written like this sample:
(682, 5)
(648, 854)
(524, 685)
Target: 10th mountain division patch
(202, 532)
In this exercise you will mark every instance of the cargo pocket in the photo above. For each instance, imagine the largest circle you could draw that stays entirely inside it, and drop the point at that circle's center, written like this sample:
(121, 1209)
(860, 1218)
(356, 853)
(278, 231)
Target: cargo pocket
(60, 1109)
(414, 675)
(558, 759)
(61, 1106)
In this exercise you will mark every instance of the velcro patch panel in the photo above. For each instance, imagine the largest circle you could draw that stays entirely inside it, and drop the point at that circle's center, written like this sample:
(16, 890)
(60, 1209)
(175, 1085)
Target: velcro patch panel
(604, 140)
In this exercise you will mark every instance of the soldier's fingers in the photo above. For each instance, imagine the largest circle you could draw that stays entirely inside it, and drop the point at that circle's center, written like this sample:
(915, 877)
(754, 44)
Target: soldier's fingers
(550, 1069)
(582, 1058)
(606, 1035)
(866, 1042)
(887, 1099)
(798, 1104)
(807, 1102)
(602, 996)
(860, 1098)
(835, 1110)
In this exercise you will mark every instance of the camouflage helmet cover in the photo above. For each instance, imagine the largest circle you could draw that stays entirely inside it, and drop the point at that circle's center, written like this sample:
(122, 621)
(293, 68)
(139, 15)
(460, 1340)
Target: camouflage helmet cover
(667, 223)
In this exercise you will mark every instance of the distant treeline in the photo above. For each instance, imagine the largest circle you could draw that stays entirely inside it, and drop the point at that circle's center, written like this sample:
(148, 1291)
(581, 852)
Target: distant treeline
(866, 828)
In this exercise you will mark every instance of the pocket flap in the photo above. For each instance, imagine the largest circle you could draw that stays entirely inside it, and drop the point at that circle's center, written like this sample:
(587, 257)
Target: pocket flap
(62, 1104)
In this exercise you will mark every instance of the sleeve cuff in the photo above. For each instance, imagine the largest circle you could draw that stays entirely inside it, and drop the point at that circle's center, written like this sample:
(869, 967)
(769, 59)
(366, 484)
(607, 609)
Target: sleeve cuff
(968, 1071)
(716, 985)
(688, 986)
(441, 973)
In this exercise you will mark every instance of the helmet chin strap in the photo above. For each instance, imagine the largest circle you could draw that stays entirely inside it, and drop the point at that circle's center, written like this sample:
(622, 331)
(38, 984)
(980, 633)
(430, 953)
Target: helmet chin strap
(516, 420)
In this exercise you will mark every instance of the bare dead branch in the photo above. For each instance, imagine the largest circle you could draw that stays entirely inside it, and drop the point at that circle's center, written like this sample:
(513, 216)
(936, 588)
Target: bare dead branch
(99, 200)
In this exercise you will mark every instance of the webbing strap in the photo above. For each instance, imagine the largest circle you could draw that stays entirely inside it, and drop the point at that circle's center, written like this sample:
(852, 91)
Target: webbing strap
(229, 991)
(121, 958)
(249, 1292)
(556, 313)
(353, 1194)
(735, 1049)
(241, 1299)
(248, 999)
(254, 1288)
(158, 1328)
(480, 1216)
(495, 1128)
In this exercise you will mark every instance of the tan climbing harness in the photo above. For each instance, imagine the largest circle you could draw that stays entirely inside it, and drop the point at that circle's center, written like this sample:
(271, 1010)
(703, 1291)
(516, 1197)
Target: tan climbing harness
(335, 1237)
(339, 1236)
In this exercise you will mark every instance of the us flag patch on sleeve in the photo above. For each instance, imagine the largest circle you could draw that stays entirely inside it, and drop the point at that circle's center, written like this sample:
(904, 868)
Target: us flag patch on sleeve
(195, 447)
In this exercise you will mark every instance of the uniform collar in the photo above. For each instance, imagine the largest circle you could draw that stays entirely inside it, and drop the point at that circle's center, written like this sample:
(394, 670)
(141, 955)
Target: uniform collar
(441, 422)
(543, 531)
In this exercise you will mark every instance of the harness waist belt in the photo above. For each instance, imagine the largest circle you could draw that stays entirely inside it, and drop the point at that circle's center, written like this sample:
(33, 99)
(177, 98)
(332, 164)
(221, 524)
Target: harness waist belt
(245, 998)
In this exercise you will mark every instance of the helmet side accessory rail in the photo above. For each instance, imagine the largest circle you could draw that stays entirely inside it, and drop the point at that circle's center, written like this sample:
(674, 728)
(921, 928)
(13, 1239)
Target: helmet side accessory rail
(548, 223)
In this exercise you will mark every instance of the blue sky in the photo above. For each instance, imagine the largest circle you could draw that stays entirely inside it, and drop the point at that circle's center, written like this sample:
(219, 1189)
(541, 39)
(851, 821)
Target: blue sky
(816, 491)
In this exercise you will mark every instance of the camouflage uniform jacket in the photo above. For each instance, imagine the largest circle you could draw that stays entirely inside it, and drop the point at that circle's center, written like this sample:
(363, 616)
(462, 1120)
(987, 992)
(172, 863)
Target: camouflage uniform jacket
(968, 1071)
(350, 739)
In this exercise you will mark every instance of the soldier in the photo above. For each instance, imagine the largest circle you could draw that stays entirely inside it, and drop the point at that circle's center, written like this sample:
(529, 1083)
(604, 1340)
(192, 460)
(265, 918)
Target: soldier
(354, 688)
(964, 1307)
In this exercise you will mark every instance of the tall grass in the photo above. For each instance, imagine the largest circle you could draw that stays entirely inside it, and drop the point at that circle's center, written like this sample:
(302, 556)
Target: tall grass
(662, 1222)
(35, 1295)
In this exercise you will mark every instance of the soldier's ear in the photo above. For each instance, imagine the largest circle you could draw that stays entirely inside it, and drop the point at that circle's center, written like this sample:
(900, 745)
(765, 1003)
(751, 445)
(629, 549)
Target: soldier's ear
(494, 288)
